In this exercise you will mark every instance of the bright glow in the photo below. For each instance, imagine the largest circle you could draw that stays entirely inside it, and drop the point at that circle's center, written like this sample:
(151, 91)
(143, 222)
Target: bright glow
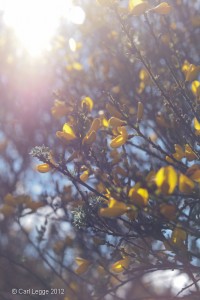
(35, 21)
(163, 280)
(77, 15)
(72, 44)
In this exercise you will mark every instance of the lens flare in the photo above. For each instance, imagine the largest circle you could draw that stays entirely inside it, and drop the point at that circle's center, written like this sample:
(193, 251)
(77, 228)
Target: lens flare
(35, 21)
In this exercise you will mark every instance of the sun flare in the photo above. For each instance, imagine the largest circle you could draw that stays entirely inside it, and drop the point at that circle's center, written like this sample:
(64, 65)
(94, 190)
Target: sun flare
(35, 21)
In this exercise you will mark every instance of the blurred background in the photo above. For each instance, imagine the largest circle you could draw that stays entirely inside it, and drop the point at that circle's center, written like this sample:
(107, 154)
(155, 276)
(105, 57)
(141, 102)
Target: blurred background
(67, 50)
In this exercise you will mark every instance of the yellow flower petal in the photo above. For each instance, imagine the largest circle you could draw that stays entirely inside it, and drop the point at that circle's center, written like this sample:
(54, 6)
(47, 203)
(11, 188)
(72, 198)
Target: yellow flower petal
(118, 142)
(197, 126)
(116, 122)
(192, 72)
(68, 130)
(162, 9)
(186, 185)
(113, 111)
(7, 210)
(9, 199)
(122, 130)
(59, 109)
(121, 265)
(96, 124)
(189, 153)
(169, 159)
(144, 76)
(179, 236)
(138, 7)
(89, 139)
(88, 102)
(43, 168)
(179, 150)
(139, 196)
(185, 67)
(195, 87)
(194, 173)
(115, 209)
(84, 176)
(83, 265)
(166, 179)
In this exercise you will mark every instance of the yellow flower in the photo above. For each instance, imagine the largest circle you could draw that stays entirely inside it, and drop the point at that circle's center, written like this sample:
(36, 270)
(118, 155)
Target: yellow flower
(139, 196)
(115, 209)
(43, 168)
(162, 9)
(103, 119)
(121, 265)
(96, 124)
(166, 180)
(189, 153)
(194, 173)
(195, 87)
(84, 176)
(138, 7)
(88, 103)
(7, 210)
(77, 66)
(59, 109)
(121, 139)
(144, 76)
(83, 265)
(179, 154)
(116, 122)
(169, 159)
(186, 185)
(117, 142)
(196, 126)
(185, 67)
(178, 236)
(9, 199)
(67, 133)
(90, 136)
(89, 139)
(192, 72)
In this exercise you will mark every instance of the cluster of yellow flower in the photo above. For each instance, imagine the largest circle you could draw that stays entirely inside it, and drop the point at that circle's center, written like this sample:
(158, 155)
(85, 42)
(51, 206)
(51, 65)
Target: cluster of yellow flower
(139, 7)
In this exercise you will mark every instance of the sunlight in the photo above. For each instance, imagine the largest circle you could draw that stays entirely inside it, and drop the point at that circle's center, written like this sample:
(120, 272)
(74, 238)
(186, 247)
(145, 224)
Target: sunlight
(35, 21)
